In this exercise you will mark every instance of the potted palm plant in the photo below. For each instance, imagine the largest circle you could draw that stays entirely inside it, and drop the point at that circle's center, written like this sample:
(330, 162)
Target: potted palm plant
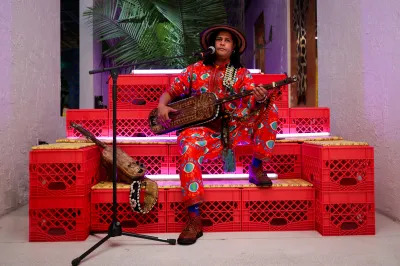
(142, 30)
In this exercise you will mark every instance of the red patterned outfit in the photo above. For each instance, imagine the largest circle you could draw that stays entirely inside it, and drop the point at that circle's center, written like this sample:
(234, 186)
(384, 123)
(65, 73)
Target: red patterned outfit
(251, 123)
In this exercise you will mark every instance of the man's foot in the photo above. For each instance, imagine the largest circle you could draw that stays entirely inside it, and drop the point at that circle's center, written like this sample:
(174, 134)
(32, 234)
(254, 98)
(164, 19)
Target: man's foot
(192, 230)
(258, 177)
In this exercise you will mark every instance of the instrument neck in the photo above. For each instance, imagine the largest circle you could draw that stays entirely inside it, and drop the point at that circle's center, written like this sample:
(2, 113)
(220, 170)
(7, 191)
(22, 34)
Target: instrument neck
(88, 135)
(271, 86)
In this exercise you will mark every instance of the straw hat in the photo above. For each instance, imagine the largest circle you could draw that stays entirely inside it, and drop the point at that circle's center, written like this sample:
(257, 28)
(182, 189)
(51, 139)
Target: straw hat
(207, 33)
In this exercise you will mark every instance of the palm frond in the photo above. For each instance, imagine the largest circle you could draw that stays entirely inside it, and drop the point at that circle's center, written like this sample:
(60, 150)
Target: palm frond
(137, 30)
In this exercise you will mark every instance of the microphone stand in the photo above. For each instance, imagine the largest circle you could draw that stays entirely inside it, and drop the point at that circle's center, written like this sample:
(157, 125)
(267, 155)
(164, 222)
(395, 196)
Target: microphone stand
(115, 228)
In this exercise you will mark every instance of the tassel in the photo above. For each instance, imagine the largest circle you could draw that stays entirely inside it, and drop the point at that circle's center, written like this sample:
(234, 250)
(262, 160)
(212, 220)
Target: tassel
(229, 161)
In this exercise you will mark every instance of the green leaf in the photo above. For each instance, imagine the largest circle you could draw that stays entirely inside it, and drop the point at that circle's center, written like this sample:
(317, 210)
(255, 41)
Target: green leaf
(137, 30)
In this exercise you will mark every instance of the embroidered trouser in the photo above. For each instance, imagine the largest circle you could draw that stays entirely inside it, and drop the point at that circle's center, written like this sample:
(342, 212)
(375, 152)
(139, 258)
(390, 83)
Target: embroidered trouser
(197, 144)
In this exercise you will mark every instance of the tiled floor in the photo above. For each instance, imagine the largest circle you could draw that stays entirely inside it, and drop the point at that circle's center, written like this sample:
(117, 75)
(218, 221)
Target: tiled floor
(241, 248)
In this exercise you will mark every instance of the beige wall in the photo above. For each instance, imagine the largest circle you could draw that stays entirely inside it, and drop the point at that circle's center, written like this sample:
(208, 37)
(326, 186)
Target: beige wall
(358, 65)
(30, 90)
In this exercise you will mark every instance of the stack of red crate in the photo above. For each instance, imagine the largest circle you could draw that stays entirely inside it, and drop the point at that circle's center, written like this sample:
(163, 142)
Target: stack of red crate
(343, 175)
(138, 94)
(226, 208)
(155, 158)
(61, 176)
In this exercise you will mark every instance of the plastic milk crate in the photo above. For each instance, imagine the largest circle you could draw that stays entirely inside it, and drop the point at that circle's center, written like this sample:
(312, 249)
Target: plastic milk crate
(132, 123)
(309, 120)
(101, 211)
(278, 209)
(283, 121)
(345, 213)
(338, 167)
(153, 156)
(63, 171)
(94, 120)
(138, 91)
(285, 160)
(59, 218)
(220, 211)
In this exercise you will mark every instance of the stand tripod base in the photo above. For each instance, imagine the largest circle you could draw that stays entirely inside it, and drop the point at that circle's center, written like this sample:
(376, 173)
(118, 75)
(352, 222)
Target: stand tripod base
(115, 229)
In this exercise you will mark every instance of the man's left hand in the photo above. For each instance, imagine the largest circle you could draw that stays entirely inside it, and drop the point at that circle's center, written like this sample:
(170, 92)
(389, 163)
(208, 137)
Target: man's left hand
(260, 93)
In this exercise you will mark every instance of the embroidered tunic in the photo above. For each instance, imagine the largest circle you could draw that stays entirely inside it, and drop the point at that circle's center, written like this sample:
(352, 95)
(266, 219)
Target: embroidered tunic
(251, 123)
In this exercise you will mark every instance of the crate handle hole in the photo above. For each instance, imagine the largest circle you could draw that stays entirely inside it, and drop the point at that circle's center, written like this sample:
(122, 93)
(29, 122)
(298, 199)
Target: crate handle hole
(348, 181)
(57, 186)
(349, 226)
(57, 231)
(278, 221)
(139, 101)
(129, 224)
(206, 222)
(139, 134)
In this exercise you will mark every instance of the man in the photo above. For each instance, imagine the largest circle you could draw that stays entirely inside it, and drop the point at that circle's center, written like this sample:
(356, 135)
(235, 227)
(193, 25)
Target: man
(252, 119)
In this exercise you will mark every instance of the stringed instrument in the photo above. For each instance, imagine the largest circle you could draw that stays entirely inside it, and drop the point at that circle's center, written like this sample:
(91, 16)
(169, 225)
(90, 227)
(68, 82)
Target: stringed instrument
(201, 109)
(128, 169)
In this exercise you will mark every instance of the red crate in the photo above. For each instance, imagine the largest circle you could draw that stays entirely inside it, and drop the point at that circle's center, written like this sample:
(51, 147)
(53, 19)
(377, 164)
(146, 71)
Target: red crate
(63, 172)
(101, 212)
(283, 100)
(285, 160)
(278, 209)
(154, 157)
(94, 120)
(172, 77)
(338, 168)
(133, 88)
(132, 123)
(283, 121)
(309, 120)
(220, 211)
(215, 166)
(59, 218)
(345, 213)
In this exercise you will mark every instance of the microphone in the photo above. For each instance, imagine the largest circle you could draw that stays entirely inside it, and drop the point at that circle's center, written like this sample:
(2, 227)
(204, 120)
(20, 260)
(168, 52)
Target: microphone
(210, 50)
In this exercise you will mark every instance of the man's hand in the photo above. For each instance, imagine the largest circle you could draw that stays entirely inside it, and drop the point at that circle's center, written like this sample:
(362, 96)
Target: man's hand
(260, 93)
(163, 114)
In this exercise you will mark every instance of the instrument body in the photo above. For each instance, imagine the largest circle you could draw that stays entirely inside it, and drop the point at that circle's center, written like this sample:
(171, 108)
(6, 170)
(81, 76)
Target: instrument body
(201, 109)
(192, 111)
(128, 169)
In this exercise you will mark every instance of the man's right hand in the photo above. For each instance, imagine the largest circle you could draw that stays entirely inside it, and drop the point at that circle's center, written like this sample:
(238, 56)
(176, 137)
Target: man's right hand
(163, 114)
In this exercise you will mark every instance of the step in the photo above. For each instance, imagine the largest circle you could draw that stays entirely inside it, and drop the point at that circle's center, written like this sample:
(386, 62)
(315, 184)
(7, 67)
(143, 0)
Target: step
(148, 88)
(134, 122)
(292, 138)
(230, 205)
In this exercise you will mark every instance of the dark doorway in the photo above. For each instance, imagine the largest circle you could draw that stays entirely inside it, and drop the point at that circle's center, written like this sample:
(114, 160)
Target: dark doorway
(259, 30)
(69, 55)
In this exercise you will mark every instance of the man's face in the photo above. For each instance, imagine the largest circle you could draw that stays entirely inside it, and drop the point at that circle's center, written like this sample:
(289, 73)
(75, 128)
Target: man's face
(224, 45)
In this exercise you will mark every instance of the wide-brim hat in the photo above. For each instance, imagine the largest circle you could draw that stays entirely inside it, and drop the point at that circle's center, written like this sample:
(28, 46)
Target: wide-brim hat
(206, 34)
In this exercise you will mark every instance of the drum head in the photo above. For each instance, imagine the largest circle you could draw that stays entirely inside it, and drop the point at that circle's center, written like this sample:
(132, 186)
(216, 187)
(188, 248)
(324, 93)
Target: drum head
(143, 195)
